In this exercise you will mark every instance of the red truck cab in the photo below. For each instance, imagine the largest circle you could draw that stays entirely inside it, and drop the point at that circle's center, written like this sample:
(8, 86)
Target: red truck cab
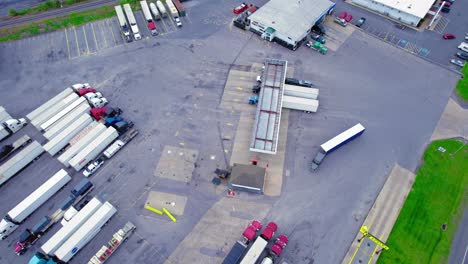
(152, 27)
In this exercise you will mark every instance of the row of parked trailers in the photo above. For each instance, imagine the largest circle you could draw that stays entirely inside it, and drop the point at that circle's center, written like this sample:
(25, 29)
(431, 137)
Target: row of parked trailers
(152, 11)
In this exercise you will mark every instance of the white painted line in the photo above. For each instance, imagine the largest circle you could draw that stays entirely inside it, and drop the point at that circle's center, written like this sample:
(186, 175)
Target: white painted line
(464, 257)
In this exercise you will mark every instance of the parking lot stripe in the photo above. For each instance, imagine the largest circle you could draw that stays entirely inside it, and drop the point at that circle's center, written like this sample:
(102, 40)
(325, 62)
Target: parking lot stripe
(68, 45)
(76, 38)
(148, 33)
(103, 36)
(165, 27)
(112, 31)
(94, 36)
(86, 39)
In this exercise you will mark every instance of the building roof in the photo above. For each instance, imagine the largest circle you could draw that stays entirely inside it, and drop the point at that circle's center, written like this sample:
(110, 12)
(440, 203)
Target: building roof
(248, 176)
(418, 8)
(291, 18)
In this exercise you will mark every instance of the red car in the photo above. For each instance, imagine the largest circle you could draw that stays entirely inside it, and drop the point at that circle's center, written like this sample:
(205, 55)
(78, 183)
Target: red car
(84, 91)
(240, 8)
(343, 15)
(348, 18)
(448, 36)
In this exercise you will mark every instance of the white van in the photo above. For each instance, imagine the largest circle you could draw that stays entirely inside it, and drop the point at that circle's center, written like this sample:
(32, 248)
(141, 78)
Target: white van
(463, 46)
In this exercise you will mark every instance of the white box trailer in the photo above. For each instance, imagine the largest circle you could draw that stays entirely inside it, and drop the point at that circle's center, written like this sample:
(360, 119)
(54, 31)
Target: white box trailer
(47, 105)
(132, 21)
(123, 23)
(172, 9)
(86, 232)
(67, 120)
(82, 143)
(93, 149)
(298, 103)
(146, 11)
(69, 229)
(299, 91)
(155, 11)
(62, 139)
(57, 117)
(52, 110)
(4, 115)
(255, 251)
(162, 9)
(26, 207)
(20, 161)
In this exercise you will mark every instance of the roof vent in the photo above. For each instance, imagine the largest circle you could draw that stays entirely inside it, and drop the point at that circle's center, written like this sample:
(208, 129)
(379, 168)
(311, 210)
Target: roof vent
(409, 6)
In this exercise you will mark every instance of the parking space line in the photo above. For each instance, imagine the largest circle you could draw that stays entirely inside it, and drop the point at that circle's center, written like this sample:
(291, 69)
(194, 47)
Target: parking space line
(103, 36)
(94, 36)
(86, 39)
(76, 38)
(68, 45)
(145, 26)
(165, 27)
(112, 31)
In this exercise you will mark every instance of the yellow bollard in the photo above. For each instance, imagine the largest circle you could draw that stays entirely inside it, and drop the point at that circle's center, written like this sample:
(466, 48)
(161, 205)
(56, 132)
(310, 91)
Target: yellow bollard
(170, 215)
(149, 208)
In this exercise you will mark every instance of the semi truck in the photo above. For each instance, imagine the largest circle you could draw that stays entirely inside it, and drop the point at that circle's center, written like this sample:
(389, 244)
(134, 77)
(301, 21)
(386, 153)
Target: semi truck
(9, 125)
(91, 151)
(238, 250)
(81, 144)
(57, 117)
(18, 162)
(61, 140)
(85, 233)
(123, 23)
(148, 17)
(298, 103)
(303, 92)
(172, 9)
(25, 208)
(119, 143)
(96, 100)
(336, 142)
(47, 105)
(30, 236)
(260, 244)
(179, 7)
(161, 8)
(8, 150)
(53, 109)
(155, 11)
(66, 121)
(117, 239)
(53, 244)
(276, 250)
(303, 83)
(132, 21)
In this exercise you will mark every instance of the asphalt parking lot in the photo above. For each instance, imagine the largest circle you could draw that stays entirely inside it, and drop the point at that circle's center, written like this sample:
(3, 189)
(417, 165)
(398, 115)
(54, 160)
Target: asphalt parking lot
(171, 88)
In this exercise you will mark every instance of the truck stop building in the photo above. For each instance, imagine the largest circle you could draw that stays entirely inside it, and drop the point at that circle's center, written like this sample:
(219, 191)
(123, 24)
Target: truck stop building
(409, 12)
(247, 178)
(289, 22)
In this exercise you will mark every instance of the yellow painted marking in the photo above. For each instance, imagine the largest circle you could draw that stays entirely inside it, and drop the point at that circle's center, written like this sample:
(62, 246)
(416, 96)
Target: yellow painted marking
(182, 143)
(242, 78)
(240, 88)
(76, 38)
(154, 210)
(176, 133)
(94, 35)
(86, 39)
(226, 151)
(68, 45)
(102, 32)
(236, 100)
(229, 124)
(355, 252)
(112, 31)
(373, 253)
(169, 215)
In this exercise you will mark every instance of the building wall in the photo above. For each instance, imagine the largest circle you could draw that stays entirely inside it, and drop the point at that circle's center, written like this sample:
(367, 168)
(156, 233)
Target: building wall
(389, 11)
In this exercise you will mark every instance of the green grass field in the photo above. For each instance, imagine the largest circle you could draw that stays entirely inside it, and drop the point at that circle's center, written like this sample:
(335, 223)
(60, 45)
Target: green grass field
(438, 197)
(462, 86)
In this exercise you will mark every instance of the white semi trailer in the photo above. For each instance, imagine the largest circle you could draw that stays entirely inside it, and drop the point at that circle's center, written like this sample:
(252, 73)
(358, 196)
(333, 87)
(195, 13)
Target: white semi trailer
(123, 23)
(92, 150)
(162, 9)
(66, 120)
(53, 109)
(132, 21)
(57, 117)
(26, 207)
(20, 161)
(47, 105)
(155, 11)
(298, 103)
(299, 91)
(85, 233)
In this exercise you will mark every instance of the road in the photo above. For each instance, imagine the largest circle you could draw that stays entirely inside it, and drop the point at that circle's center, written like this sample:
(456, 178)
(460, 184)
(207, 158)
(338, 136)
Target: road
(14, 21)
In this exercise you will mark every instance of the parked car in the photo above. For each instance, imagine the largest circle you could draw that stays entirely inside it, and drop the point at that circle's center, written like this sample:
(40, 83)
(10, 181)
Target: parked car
(462, 55)
(340, 21)
(256, 88)
(178, 22)
(93, 167)
(448, 36)
(343, 15)
(348, 18)
(259, 78)
(457, 62)
(318, 38)
(239, 9)
(361, 22)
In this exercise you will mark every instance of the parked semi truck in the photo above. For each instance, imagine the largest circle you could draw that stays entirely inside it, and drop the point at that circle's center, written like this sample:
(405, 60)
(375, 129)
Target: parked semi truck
(66, 121)
(123, 23)
(26, 207)
(298, 103)
(336, 142)
(148, 17)
(303, 92)
(179, 7)
(8, 150)
(85, 233)
(276, 250)
(303, 83)
(20, 161)
(119, 143)
(155, 11)
(260, 244)
(81, 144)
(92, 150)
(30, 236)
(117, 239)
(172, 9)
(57, 117)
(132, 21)
(238, 250)
(61, 140)
(161, 8)
(9, 125)
(54, 109)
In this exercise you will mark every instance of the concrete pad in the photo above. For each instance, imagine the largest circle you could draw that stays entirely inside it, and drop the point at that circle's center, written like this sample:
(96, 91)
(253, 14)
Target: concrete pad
(176, 163)
(453, 123)
(384, 212)
(217, 231)
(273, 163)
(336, 34)
(172, 202)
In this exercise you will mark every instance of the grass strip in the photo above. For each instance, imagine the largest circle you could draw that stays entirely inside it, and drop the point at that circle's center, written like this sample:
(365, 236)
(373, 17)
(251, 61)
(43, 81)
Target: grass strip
(462, 86)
